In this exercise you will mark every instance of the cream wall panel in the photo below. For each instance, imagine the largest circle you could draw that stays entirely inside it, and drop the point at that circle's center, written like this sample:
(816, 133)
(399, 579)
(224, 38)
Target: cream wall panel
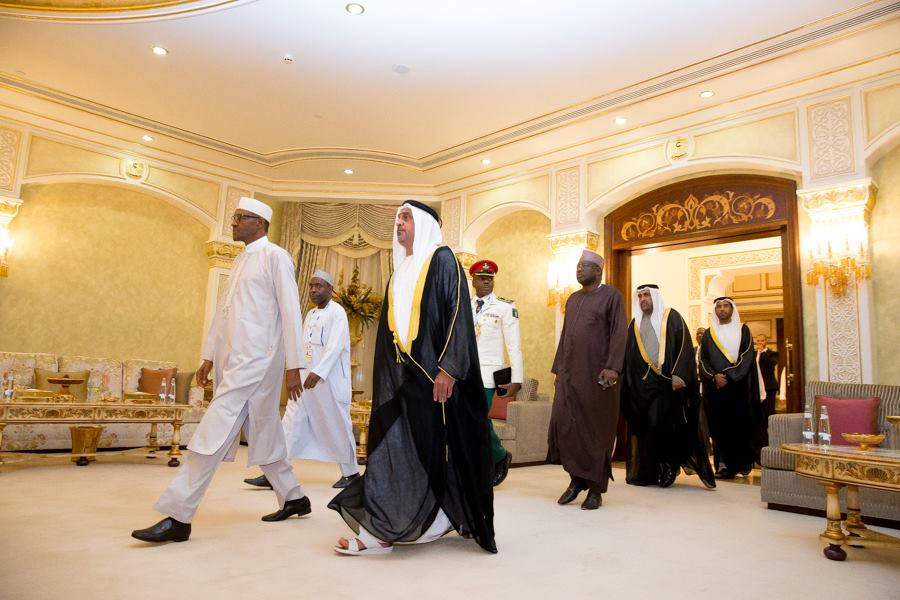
(103, 271)
(277, 205)
(774, 137)
(518, 243)
(882, 110)
(199, 192)
(49, 157)
(606, 174)
(884, 241)
(532, 191)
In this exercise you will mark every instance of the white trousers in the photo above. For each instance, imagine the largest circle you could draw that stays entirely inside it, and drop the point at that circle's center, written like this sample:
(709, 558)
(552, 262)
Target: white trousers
(182, 497)
(317, 427)
(438, 528)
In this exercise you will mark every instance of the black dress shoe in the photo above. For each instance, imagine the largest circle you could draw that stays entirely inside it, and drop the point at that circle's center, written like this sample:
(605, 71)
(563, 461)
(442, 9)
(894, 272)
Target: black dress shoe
(299, 507)
(345, 481)
(667, 475)
(501, 469)
(260, 481)
(167, 530)
(724, 474)
(570, 494)
(592, 502)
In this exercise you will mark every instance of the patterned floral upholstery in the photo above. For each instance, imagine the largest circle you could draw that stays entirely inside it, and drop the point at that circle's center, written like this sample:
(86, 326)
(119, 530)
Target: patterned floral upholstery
(106, 375)
(132, 371)
(109, 378)
(22, 365)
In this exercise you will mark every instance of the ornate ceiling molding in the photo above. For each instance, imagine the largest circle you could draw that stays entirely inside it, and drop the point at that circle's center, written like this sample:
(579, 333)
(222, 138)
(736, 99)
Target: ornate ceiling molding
(109, 10)
(737, 60)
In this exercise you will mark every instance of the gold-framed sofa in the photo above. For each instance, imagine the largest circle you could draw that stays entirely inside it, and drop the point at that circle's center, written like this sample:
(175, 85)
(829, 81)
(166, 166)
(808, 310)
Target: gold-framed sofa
(109, 378)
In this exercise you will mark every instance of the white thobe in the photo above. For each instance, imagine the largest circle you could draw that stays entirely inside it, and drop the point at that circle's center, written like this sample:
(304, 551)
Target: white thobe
(254, 336)
(317, 426)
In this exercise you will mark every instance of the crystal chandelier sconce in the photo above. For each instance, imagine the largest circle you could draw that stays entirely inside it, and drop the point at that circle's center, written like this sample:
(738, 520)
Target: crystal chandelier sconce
(567, 249)
(9, 208)
(838, 242)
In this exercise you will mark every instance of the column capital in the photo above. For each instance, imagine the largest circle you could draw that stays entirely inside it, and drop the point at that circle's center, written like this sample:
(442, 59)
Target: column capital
(467, 259)
(580, 239)
(852, 196)
(222, 254)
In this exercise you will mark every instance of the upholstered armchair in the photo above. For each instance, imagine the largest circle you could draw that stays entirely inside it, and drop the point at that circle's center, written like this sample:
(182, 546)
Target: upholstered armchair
(781, 488)
(524, 431)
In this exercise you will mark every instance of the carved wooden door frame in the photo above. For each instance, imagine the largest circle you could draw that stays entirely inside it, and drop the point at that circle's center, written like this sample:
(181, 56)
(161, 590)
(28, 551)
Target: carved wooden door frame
(716, 209)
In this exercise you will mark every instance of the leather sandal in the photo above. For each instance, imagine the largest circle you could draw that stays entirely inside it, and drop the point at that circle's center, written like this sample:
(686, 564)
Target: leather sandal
(353, 549)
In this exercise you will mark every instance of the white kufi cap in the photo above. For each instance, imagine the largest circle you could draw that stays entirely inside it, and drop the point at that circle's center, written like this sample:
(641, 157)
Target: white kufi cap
(258, 208)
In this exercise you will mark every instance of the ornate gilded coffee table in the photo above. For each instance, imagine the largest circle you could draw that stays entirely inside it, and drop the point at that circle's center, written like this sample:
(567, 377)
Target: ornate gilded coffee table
(839, 466)
(85, 417)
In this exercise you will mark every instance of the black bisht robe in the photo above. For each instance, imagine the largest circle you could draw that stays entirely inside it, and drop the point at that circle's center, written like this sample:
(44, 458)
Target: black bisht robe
(417, 464)
(735, 413)
(663, 424)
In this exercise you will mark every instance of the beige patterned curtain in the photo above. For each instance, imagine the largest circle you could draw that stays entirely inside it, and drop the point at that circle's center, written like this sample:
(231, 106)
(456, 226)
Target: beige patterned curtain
(339, 237)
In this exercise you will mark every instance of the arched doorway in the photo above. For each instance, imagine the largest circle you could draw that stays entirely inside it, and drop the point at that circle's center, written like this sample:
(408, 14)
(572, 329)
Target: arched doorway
(714, 210)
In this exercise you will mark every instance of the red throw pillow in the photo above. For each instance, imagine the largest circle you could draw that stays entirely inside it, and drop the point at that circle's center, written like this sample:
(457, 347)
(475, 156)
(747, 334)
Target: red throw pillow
(850, 415)
(498, 407)
(151, 379)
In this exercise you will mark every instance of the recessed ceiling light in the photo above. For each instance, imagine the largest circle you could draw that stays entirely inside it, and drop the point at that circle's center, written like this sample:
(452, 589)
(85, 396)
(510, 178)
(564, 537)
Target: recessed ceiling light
(159, 51)
(485, 161)
(287, 59)
(706, 94)
(147, 138)
(355, 9)
(401, 69)
(621, 120)
(348, 171)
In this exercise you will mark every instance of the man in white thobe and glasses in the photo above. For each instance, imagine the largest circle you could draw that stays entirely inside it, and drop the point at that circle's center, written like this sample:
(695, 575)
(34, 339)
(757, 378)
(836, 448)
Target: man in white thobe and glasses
(253, 342)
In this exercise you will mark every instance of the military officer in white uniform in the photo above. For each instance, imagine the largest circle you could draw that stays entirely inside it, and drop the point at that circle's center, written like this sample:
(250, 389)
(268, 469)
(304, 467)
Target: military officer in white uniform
(496, 328)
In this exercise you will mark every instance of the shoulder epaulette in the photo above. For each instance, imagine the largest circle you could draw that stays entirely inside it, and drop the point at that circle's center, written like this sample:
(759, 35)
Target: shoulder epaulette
(507, 300)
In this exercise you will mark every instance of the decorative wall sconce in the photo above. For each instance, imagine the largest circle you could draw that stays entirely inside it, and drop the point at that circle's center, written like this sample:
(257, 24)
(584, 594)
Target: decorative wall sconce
(567, 250)
(838, 242)
(6, 243)
(9, 208)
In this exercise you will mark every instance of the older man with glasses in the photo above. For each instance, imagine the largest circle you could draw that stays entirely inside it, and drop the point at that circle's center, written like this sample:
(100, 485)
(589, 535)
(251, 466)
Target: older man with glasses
(254, 340)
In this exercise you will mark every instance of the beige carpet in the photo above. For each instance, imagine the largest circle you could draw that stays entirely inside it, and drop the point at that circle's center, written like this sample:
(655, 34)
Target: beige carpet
(65, 534)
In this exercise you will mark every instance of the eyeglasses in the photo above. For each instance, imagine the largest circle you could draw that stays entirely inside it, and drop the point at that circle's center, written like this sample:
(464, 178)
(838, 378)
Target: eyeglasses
(238, 217)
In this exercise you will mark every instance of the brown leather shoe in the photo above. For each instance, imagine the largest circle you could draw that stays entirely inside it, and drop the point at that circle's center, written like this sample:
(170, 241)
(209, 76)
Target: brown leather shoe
(167, 530)
(300, 507)
(592, 502)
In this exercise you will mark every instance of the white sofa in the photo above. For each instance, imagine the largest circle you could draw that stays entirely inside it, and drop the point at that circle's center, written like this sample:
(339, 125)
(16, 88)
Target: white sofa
(108, 378)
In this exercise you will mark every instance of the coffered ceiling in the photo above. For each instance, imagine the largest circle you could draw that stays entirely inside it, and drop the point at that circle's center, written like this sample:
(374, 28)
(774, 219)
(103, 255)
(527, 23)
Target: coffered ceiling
(402, 89)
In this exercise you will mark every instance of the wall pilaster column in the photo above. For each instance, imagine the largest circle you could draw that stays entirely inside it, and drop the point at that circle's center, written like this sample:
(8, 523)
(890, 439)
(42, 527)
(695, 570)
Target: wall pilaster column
(838, 250)
(220, 256)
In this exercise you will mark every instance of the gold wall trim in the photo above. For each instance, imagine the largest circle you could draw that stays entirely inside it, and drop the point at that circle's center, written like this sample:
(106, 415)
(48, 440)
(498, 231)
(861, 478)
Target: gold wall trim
(693, 214)
(121, 10)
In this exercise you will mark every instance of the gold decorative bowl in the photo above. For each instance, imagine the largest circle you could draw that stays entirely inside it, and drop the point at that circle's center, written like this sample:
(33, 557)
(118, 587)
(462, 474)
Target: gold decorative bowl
(865, 440)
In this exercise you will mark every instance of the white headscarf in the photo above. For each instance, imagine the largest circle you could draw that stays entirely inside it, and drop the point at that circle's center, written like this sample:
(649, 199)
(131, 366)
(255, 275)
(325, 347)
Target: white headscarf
(729, 335)
(426, 239)
(659, 307)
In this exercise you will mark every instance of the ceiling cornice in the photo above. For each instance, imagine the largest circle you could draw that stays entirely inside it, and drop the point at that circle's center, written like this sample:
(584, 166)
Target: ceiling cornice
(778, 46)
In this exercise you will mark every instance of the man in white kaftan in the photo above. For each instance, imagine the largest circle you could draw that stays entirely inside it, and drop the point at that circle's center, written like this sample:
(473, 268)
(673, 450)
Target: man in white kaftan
(254, 337)
(317, 426)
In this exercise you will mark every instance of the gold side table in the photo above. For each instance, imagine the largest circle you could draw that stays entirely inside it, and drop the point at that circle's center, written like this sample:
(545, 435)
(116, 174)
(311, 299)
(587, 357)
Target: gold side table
(84, 443)
(360, 411)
